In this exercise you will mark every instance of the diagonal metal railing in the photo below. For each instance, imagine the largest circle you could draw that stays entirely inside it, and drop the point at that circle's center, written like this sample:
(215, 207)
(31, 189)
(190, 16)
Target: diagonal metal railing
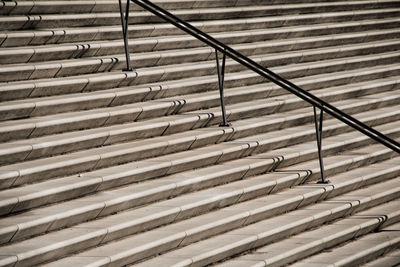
(225, 50)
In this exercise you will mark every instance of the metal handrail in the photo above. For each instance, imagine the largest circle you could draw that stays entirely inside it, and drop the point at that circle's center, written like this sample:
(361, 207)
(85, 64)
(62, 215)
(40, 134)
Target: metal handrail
(264, 72)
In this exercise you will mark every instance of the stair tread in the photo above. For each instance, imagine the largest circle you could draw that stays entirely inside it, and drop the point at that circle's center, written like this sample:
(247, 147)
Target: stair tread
(136, 109)
(163, 55)
(95, 80)
(93, 203)
(113, 32)
(357, 252)
(390, 259)
(306, 243)
(119, 150)
(250, 235)
(33, 52)
(33, 168)
(104, 133)
(102, 166)
(112, 97)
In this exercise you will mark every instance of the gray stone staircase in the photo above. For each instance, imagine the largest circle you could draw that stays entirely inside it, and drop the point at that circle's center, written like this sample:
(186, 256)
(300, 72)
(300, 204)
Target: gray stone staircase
(105, 167)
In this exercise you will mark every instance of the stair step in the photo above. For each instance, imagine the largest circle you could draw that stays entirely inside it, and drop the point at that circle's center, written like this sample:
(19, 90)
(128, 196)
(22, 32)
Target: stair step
(390, 259)
(69, 142)
(135, 248)
(105, 203)
(85, 34)
(314, 241)
(85, 85)
(64, 68)
(27, 197)
(71, 121)
(360, 251)
(92, 6)
(68, 51)
(53, 69)
(30, 171)
(28, 21)
(114, 97)
(105, 167)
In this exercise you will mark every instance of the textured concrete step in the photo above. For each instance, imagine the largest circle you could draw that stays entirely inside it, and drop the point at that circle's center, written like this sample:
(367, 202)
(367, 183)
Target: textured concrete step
(39, 126)
(160, 89)
(92, 6)
(101, 48)
(68, 142)
(30, 171)
(257, 186)
(89, 100)
(112, 18)
(133, 249)
(24, 128)
(326, 236)
(112, 168)
(87, 6)
(30, 196)
(389, 259)
(54, 145)
(86, 34)
(108, 202)
(162, 62)
(362, 250)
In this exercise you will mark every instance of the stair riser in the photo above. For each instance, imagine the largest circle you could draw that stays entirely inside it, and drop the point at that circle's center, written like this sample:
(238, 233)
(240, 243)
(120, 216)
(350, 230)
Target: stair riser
(333, 241)
(95, 65)
(68, 36)
(232, 81)
(196, 237)
(92, 6)
(46, 7)
(126, 205)
(38, 89)
(374, 254)
(278, 34)
(202, 260)
(110, 119)
(90, 162)
(260, 242)
(209, 69)
(18, 156)
(257, 216)
(90, 50)
(48, 21)
(142, 155)
(107, 172)
(209, 103)
(209, 55)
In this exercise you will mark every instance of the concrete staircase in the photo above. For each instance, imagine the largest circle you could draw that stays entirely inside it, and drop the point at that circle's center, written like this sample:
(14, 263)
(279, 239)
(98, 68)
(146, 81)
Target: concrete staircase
(104, 167)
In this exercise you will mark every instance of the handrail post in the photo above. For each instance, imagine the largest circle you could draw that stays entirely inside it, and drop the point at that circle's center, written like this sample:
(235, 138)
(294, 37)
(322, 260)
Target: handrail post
(221, 78)
(124, 23)
(268, 74)
(318, 132)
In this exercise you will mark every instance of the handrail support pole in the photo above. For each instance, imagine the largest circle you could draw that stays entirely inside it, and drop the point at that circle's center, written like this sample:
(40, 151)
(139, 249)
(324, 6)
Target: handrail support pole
(318, 131)
(221, 78)
(268, 74)
(124, 23)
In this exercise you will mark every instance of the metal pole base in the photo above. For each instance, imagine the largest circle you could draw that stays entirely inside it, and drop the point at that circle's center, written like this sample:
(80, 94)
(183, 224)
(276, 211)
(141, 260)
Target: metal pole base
(224, 124)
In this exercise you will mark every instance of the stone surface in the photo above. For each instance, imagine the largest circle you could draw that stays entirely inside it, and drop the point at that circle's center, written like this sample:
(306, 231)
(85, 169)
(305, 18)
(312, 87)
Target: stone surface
(102, 166)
